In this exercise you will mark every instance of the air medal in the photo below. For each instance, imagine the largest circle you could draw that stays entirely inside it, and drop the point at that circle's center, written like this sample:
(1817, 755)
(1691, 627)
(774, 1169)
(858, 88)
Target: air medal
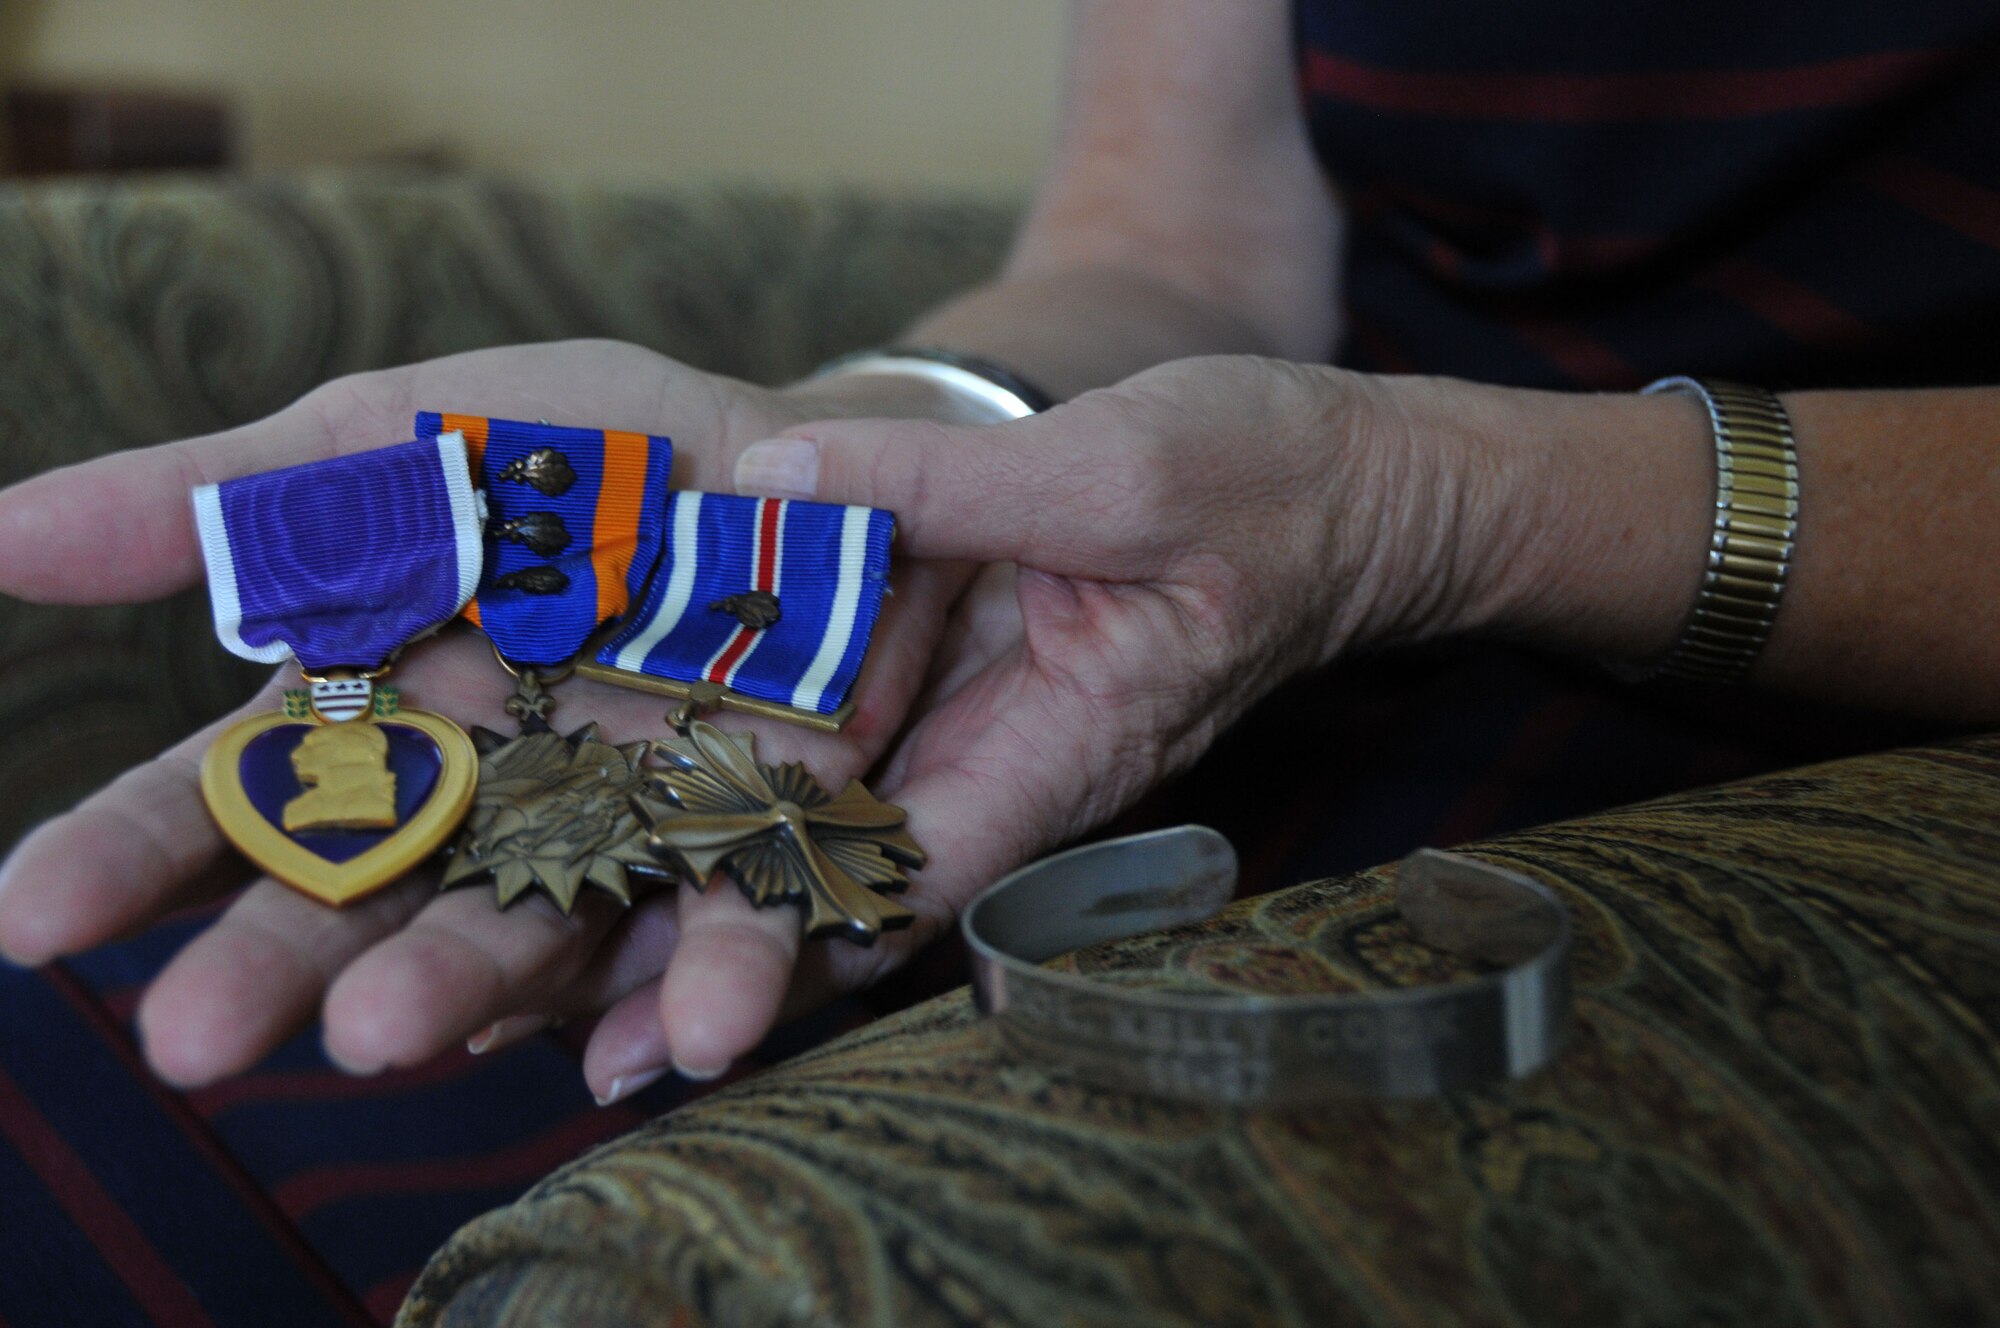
(337, 564)
(575, 522)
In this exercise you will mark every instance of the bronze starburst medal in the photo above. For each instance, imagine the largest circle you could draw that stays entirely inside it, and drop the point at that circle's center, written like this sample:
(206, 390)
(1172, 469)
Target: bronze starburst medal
(783, 837)
(573, 534)
(554, 813)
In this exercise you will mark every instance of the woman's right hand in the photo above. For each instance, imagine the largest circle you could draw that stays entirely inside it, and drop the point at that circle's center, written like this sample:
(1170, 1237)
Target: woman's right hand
(1163, 552)
(1160, 554)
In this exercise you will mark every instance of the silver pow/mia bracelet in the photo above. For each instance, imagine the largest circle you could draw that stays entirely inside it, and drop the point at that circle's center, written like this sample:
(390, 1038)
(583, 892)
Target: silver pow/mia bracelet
(1267, 1051)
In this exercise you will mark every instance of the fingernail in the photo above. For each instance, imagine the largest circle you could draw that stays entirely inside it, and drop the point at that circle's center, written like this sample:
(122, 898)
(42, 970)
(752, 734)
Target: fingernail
(506, 1032)
(779, 468)
(701, 1076)
(625, 1085)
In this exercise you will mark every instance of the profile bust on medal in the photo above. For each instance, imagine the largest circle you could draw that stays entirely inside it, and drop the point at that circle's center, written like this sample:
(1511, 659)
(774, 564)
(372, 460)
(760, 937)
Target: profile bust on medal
(344, 769)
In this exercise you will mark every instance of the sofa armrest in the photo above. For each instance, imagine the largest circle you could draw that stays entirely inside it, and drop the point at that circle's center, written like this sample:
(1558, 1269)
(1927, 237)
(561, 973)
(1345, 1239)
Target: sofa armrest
(1779, 1106)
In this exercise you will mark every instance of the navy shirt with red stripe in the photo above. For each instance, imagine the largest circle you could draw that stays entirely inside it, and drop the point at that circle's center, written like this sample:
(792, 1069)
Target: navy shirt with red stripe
(1565, 194)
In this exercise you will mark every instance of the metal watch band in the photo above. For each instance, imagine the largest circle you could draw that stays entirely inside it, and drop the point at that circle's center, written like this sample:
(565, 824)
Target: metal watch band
(981, 383)
(1266, 1051)
(1752, 541)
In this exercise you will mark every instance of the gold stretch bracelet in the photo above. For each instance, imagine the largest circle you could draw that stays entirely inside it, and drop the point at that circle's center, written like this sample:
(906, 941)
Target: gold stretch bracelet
(1756, 530)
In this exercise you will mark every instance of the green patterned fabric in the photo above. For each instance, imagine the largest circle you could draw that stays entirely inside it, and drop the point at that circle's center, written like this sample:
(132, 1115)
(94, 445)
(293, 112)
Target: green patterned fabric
(135, 313)
(1781, 1106)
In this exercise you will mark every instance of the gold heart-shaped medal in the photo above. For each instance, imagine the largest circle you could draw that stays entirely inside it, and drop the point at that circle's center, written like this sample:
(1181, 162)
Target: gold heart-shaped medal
(338, 798)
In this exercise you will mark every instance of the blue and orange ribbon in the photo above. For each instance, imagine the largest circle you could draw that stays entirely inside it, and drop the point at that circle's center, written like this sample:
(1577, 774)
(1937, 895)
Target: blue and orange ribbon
(608, 497)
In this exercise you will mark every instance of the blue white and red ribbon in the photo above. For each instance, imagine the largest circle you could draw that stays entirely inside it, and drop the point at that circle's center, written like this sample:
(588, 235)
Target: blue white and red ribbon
(614, 511)
(340, 562)
(828, 565)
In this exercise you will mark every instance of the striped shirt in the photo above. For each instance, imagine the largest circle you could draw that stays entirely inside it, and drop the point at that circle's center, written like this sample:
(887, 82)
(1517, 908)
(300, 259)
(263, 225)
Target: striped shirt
(1565, 194)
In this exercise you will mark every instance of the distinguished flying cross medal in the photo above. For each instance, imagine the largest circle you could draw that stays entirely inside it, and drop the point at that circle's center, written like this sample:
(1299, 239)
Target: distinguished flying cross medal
(765, 606)
(338, 564)
(779, 833)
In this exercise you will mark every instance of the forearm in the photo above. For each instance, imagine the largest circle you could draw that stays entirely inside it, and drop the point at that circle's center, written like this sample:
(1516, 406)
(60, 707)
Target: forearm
(1068, 330)
(1183, 213)
(1597, 541)
(1065, 331)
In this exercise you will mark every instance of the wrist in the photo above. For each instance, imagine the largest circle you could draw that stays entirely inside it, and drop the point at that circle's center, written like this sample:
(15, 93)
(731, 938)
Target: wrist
(1576, 521)
(1612, 523)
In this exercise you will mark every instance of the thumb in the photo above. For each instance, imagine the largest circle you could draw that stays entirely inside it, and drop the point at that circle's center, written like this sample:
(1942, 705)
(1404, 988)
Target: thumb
(976, 493)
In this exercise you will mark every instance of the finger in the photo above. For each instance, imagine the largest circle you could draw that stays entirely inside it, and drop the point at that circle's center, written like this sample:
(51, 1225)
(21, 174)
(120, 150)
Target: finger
(983, 628)
(633, 955)
(461, 964)
(985, 795)
(973, 834)
(728, 978)
(628, 1049)
(504, 1033)
(977, 493)
(899, 658)
(984, 625)
(134, 850)
(257, 976)
(118, 529)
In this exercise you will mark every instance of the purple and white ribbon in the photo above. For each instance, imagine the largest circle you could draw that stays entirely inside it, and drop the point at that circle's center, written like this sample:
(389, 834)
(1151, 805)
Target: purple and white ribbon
(341, 562)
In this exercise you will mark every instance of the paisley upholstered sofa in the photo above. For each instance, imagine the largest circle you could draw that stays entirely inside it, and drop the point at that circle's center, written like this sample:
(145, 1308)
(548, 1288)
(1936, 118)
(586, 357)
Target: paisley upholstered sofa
(1781, 1101)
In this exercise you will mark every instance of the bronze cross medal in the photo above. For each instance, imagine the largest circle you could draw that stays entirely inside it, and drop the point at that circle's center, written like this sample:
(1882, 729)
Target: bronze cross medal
(706, 804)
(778, 832)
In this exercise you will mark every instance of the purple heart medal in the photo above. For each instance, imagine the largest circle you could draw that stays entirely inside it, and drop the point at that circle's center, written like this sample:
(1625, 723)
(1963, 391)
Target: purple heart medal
(338, 564)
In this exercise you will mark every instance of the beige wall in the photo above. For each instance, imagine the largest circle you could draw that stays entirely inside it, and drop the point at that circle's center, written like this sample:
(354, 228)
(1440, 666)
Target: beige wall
(899, 92)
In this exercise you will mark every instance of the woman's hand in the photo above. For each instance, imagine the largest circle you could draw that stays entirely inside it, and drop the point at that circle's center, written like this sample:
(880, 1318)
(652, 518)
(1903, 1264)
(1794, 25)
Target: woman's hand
(1158, 555)
(1184, 541)
(1167, 551)
(406, 973)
